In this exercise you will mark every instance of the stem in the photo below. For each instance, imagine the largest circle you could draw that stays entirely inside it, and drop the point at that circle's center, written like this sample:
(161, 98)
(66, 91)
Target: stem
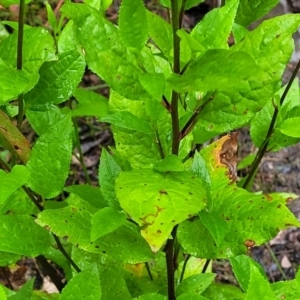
(170, 267)
(65, 254)
(148, 271)
(96, 87)
(41, 208)
(20, 59)
(205, 266)
(276, 261)
(264, 146)
(184, 267)
(176, 70)
(87, 177)
(160, 148)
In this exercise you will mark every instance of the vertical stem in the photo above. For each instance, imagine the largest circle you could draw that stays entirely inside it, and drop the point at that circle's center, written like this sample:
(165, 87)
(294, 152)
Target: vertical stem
(176, 70)
(20, 58)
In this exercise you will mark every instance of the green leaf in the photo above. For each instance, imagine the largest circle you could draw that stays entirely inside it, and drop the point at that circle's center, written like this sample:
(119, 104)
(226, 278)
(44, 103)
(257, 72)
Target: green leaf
(250, 11)
(239, 32)
(154, 84)
(13, 82)
(259, 287)
(58, 79)
(25, 292)
(51, 16)
(38, 47)
(217, 70)
(188, 296)
(72, 222)
(271, 41)
(190, 3)
(108, 172)
(85, 285)
(105, 221)
(170, 163)
(208, 33)
(290, 127)
(12, 139)
(133, 23)
(8, 259)
(88, 193)
(11, 181)
(68, 39)
(151, 296)
(15, 228)
(18, 203)
(254, 219)
(7, 3)
(218, 291)
(158, 202)
(43, 120)
(2, 294)
(105, 54)
(50, 159)
(127, 120)
(200, 169)
(160, 32)
(195, 284)
(287, 289)
(90, 104)
(242, 269)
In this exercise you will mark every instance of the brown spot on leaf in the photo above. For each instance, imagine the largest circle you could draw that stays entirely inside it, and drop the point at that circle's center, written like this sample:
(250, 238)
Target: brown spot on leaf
(74, 209)
(249, 244)
(163, 192)
(279, 205)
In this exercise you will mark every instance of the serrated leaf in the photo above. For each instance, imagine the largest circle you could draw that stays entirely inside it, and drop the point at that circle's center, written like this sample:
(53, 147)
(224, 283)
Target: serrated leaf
(151, 296)
(254, 219)
(11, 181)
(88, 193)
(242, 269)
(161, 33)
(108, 172)
(38, 47)
(154, 84)
(141, 150)
(258, 287)
(287, 289)
(58, 79)
(208, 33)
(250, 11)
(195, 284)
(8, 259)
(68, 39)
(85, 285)
(51, 16)
(43, 120)
(290, 127)
(170, 163)
(13, 82)
(90, 104)
(15, 228)
(129, 121)
(12, 138)
(124, 244)
(50, 159)
(72, 222)
(200, 169)
(133, 23)
(105, 221)
(271, 41)
(188, 296)
(105, 54)
(217, 70)
(158, 202)
(223, 291)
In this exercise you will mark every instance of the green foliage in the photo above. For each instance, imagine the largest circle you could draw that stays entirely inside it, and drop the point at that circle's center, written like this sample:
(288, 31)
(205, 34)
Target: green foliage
(161, 204)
